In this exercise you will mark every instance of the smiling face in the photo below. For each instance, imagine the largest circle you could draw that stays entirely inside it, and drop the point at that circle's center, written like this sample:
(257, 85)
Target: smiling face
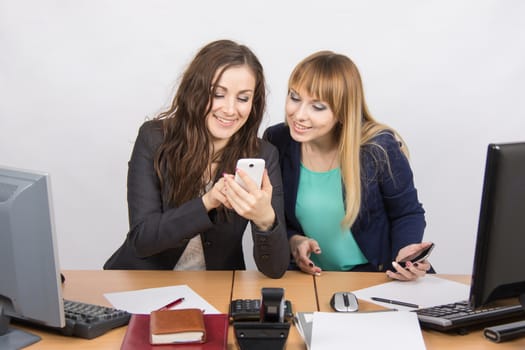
(231, 104)
(310, 119)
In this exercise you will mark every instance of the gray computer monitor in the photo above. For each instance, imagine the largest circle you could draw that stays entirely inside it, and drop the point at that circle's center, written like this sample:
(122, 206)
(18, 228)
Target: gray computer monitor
(499, 260)
(30, 286)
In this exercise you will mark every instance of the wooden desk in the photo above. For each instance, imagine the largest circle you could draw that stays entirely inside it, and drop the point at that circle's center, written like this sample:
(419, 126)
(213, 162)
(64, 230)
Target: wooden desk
(298, 288)
(218, 287)
(330, 282)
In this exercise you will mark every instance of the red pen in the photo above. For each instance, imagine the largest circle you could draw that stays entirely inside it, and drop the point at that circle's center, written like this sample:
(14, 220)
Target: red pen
(172, 304)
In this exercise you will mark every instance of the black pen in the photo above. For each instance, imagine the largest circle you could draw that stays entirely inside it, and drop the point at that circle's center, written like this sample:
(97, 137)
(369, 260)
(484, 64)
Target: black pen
(371, 311)
(395, 302)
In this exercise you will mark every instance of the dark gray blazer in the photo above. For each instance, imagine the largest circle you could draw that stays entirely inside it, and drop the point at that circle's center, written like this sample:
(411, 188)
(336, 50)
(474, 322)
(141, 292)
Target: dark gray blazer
(159, 234)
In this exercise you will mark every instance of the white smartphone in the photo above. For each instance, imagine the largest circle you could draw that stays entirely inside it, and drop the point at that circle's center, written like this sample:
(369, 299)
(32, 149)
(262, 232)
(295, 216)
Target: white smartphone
(254, 167)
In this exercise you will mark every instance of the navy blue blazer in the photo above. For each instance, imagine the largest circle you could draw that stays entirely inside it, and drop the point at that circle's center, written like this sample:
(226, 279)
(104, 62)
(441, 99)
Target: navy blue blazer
(390, 216)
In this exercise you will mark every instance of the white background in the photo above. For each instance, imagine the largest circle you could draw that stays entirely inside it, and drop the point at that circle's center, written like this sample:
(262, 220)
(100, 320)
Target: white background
(77, 79)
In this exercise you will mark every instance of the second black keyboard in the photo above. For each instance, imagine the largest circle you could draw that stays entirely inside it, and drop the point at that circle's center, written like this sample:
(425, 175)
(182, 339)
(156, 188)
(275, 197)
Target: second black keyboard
(459, 315)
(88, 321)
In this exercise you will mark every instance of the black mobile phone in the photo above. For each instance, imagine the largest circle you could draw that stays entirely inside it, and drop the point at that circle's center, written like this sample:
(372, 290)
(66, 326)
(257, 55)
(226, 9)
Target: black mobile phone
(418, 256)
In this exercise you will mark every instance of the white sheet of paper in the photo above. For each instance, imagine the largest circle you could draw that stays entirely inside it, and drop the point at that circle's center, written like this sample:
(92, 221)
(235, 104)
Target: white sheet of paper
(143, 301)
(303, 322)
(427, 291)
(377, 330)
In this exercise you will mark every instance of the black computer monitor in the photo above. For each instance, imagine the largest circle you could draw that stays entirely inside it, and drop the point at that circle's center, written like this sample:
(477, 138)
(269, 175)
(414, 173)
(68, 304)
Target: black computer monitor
(499, 260)
(30, 285)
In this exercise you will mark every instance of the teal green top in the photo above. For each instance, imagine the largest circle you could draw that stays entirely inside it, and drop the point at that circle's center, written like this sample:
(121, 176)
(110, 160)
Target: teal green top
(320, 210)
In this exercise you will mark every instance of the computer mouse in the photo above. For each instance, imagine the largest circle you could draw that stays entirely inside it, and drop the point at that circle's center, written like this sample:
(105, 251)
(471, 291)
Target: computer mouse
(344, 302)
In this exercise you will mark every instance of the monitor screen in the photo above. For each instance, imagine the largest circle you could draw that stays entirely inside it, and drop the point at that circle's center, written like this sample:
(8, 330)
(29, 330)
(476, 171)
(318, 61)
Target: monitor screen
(499, 260)
(30, 286)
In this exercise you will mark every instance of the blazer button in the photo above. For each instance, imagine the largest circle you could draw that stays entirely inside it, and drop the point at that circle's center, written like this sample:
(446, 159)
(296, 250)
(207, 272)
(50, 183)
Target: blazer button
(185, 240)
(265, 257)
(262, 239)
(207, 243)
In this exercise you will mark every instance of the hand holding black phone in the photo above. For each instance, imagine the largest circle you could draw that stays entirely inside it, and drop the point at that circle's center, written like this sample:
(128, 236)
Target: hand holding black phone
(417, 256)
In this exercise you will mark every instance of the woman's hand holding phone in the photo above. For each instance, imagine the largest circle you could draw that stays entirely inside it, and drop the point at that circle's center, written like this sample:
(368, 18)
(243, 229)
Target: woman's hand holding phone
(250, 192)
(411, 262)
(418, 256)
(253, 167)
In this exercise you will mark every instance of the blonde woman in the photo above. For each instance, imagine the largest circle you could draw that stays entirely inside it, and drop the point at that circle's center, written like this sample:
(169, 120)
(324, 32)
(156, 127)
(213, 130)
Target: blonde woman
(350, 200)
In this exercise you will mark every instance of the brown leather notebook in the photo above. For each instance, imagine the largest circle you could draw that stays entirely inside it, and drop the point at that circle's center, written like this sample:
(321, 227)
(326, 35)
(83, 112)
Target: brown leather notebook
(177, 326)
(138, 334)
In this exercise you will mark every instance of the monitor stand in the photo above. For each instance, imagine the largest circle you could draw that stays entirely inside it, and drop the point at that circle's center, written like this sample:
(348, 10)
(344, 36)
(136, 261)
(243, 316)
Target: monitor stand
(12, 338)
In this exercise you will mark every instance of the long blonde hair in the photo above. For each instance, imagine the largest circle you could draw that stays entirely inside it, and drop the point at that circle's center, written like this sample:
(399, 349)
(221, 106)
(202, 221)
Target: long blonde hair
(334, 79)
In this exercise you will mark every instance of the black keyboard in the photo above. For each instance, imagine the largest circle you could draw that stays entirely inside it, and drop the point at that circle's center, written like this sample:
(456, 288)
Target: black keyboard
(88, 321)
(459, 315)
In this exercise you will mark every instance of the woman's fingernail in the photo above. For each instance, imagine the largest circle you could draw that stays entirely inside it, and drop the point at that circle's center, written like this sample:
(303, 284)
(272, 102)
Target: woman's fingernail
(311, 264)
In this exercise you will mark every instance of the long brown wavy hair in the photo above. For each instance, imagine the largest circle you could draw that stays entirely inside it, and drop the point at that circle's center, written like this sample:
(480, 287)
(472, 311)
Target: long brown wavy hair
(335, 79)
(186, 153)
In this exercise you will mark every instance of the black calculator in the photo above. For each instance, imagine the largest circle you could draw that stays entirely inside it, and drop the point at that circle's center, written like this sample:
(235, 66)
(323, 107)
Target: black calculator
(249, 310)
